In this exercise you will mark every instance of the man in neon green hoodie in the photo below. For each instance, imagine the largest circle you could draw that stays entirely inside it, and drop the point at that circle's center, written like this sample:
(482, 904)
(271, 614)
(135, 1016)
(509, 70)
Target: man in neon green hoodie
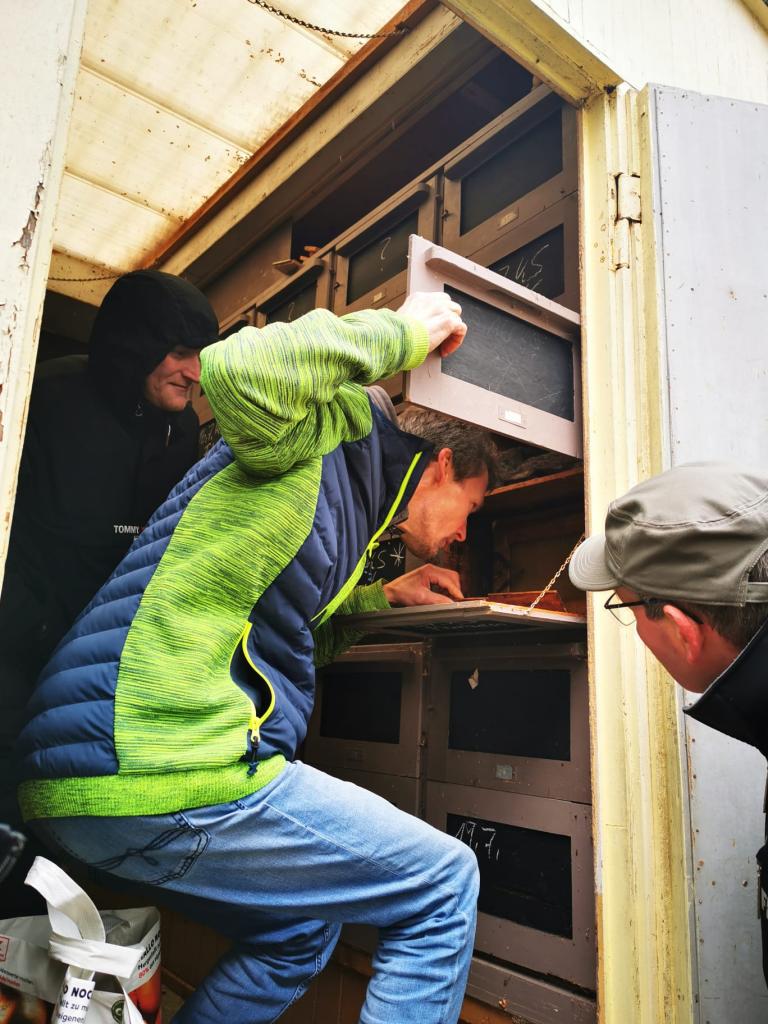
(161, 738)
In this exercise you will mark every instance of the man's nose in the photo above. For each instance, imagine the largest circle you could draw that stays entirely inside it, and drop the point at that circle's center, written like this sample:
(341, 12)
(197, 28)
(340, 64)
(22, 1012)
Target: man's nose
(461, 533)
(192, 369)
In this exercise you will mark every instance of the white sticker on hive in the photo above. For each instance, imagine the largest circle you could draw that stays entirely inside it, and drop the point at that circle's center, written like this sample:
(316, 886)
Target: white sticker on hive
(512, 416)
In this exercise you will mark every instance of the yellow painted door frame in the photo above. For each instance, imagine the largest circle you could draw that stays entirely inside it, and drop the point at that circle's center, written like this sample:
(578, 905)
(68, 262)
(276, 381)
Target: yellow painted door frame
(642, 862)
(642, 869)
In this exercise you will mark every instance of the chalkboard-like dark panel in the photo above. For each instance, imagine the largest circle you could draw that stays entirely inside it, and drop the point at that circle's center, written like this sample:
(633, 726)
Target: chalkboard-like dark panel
(297, 305)
(513, 358)
(362, 705)
(516, 712)
(386, 563)
(525, 875)
(539, 265)
(381, 259)
(514, 171)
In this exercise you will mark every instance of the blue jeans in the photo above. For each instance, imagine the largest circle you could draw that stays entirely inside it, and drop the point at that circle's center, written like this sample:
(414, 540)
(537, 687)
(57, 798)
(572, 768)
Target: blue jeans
(279, 872)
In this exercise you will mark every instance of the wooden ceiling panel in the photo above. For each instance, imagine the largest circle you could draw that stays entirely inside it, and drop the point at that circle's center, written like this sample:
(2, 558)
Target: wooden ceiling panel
(173, 97)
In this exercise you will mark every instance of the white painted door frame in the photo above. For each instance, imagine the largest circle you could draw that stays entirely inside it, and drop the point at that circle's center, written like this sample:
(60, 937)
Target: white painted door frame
(42, 40)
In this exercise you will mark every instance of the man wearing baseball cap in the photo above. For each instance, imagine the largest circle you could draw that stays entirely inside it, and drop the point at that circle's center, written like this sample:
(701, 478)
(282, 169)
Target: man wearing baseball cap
(685, 556)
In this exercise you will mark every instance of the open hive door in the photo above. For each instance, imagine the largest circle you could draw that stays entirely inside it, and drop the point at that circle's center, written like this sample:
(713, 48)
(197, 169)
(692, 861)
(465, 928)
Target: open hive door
(705, 188)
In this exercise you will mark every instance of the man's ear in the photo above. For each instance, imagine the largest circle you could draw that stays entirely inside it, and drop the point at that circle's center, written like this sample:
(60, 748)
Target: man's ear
(444, 464)
(686, 633)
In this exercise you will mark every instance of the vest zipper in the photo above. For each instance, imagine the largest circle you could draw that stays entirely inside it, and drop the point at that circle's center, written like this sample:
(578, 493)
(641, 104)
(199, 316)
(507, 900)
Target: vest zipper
(325, 613)
(253, 733)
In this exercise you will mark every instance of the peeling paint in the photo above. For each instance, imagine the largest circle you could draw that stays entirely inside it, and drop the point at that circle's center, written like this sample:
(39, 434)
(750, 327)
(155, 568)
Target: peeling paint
(308, 78)
(28, 231)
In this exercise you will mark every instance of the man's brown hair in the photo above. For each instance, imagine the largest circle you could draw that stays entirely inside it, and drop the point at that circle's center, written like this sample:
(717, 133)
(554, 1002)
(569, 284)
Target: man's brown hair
(473, 448)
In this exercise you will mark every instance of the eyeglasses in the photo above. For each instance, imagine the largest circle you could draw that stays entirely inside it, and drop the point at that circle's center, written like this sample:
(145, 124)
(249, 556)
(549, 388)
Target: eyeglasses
(626, 618)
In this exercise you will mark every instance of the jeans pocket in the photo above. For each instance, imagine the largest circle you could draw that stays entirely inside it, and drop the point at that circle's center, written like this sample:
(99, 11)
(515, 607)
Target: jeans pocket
(148, 850)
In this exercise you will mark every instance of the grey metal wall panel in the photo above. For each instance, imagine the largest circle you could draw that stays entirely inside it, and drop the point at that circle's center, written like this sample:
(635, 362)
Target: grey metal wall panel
(713, 177)
(712, 220)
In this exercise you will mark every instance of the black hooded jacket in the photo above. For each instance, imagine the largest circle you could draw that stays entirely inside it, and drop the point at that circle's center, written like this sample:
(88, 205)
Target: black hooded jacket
(97, 460)
(736, 703)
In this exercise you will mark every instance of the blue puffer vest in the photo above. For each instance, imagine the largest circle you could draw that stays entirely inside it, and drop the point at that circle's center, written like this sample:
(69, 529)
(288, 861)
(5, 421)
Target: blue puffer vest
(69, 760)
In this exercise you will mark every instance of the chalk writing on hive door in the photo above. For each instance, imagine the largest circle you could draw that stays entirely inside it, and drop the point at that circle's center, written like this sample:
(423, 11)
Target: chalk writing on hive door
(481, 839)
(527, 271)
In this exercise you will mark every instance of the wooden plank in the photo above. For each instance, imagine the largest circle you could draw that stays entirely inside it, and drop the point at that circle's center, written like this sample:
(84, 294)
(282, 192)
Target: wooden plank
(461, 613)
(567, 485)
(524, 998)
(410, 16)
(79, 279)
(473, 1011)
(540, 42)
(238, 287)
(410, 79)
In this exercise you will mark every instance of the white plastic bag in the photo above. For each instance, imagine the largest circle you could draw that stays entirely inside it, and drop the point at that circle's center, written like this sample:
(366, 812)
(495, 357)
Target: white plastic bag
(48, 964)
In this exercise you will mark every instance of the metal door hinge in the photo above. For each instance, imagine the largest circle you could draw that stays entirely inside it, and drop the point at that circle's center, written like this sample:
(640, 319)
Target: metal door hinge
(627, 197)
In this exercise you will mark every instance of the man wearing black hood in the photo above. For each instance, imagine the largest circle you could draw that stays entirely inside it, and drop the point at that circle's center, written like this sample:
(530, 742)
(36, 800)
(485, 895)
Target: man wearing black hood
(685, 555)
(107, 438)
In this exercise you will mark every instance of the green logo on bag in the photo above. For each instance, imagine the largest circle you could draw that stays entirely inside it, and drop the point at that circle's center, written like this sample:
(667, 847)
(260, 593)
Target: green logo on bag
(117, 1011)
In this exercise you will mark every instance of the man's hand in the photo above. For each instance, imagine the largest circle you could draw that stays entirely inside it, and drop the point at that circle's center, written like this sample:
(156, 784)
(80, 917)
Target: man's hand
(440, 315)
(414, 587)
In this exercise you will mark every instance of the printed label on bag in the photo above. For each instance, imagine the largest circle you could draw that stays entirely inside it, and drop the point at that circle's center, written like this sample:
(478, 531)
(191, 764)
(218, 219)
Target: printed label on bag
(73, 1003)
(3, 947)
(150, 958)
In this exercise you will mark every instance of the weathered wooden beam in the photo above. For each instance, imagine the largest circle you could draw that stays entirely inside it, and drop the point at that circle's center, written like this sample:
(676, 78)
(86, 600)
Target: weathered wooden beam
(79, 279)
(346, 127)
(409, 17)
(538, 41)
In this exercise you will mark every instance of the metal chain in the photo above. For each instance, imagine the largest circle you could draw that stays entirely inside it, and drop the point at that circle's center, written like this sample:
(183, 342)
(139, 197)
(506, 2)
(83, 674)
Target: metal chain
(85, 280)
(557, 574)
(397, 31)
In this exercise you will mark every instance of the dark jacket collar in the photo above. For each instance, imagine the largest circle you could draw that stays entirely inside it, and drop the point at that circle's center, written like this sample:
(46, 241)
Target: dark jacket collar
(737, 701)
(398, 449)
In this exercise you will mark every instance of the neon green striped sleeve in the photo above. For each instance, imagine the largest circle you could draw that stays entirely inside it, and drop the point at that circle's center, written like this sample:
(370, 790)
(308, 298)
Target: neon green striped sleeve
(288, 392)
(331, 638)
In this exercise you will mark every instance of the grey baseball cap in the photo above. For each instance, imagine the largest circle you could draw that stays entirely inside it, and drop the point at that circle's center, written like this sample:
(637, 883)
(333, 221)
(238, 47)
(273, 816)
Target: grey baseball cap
(690, 534)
